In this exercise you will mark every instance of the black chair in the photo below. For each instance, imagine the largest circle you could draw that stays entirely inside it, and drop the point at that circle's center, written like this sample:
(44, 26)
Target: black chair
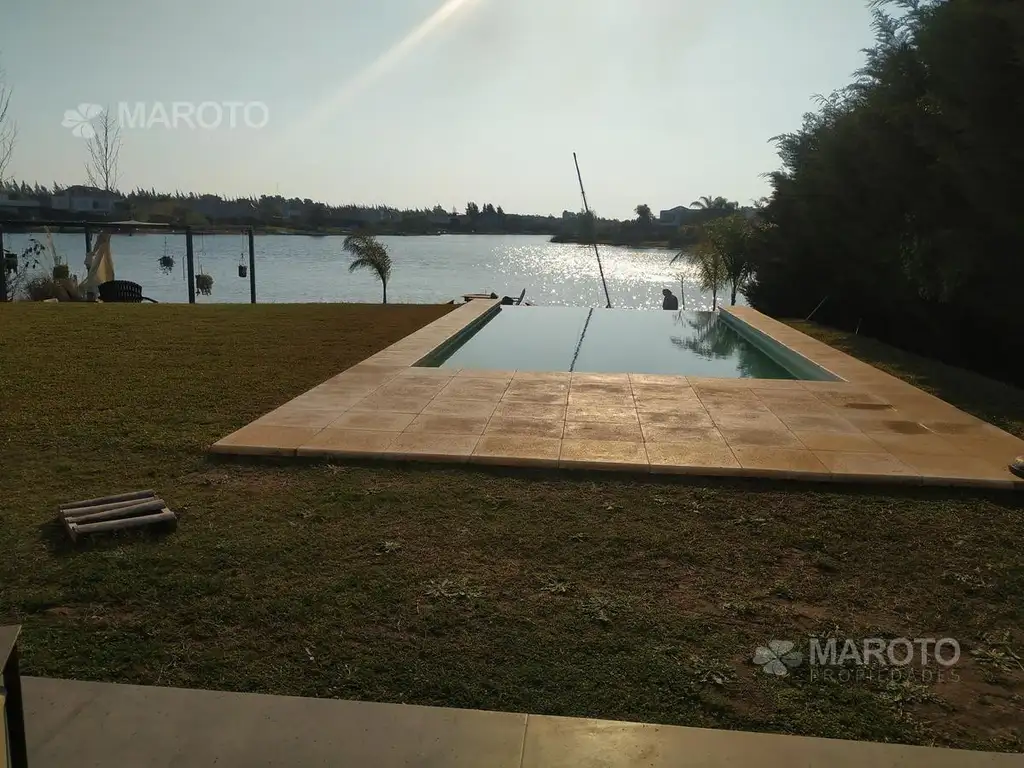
(123, 292)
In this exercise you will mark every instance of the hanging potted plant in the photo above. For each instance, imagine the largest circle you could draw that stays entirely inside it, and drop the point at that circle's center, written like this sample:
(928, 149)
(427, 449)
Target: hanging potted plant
(166, 263)
(204, 282)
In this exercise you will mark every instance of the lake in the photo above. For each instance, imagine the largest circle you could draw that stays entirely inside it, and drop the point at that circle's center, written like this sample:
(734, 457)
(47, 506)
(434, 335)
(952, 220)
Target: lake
(426, 270)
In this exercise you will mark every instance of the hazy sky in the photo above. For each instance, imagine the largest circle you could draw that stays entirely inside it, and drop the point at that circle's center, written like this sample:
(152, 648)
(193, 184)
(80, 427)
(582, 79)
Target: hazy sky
(419, 102)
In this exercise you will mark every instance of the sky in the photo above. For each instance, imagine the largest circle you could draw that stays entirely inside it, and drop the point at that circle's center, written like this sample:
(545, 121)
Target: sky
(413, 103)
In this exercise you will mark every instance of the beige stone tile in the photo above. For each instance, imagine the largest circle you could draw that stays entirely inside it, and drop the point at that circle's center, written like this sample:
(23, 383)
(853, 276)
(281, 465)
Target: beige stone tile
(761, 420)
(893, 427)
(959, 470)
(521, 410)
(682, 433)
(615, 414)
(601, 398)
(599, 430)
(898, 444)
(548, 393)
(517, 450)
(603, 454)
(846, 465)
(694, 457)
(286, 416)
(443, 424)
(642, 380)
(375, 421)
(474, 389)
(474, 373)
(512, 425)
(348, 442)
(780, 462)
(696, 417)
(257, 440)
(429, 446)
(818, 423)
(601, 379)
(379, 402)
(450, 406)
(711, 385)
(955, 429)
(667, 404)
(849, 442)
(412, 389)
(779, 385)
(753, 437)
(558, 376)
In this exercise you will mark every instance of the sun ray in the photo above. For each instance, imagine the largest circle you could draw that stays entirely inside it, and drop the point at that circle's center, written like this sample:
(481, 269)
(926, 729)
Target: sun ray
(387, 61)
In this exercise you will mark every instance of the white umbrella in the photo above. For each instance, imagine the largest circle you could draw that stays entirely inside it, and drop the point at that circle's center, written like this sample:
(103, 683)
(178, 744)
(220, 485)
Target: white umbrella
(99, 266)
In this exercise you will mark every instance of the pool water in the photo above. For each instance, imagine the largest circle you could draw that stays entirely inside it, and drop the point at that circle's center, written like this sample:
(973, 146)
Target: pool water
(611, 341)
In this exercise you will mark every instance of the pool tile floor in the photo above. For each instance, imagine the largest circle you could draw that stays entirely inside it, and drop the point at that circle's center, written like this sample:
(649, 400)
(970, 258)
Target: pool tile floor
(867, 427)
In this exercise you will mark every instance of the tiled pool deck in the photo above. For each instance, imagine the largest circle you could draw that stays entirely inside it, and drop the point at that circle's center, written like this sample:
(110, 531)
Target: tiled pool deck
(869, 427)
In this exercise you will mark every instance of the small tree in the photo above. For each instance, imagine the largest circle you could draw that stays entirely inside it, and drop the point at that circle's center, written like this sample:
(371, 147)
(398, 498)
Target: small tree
(104, 152)
(8, 130)
(369, 253)
(644, 217)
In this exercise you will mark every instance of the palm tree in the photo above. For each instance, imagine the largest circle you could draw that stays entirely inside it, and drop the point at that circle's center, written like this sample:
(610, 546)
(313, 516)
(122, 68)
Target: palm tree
(708, 203)
(370, 254)
(712, 273)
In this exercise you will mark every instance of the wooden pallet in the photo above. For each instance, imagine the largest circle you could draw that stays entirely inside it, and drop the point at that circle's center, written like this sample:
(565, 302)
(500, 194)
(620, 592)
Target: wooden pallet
(114, 513)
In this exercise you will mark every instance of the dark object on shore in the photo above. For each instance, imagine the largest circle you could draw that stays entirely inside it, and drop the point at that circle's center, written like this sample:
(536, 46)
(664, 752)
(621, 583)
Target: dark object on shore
(114, 513)
(671, 300)
(122, 292)
(508, 301)
(471, 296)
(1017, 466)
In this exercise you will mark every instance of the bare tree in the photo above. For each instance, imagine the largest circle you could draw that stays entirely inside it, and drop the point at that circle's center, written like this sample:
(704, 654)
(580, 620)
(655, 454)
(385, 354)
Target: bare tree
(104, 152)
(8, 129)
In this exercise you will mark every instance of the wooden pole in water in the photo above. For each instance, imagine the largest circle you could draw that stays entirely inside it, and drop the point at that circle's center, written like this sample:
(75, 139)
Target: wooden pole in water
(252, 268)
(190, 265)
(596, 251)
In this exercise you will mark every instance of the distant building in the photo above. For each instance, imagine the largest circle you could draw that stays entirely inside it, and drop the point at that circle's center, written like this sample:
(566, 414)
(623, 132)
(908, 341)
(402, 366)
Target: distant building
(82, 199)
(677, 216)
(19, 203)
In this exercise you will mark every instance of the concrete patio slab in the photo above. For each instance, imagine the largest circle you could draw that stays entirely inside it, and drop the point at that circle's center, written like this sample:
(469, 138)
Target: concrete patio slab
(866, 426)
(73, 724)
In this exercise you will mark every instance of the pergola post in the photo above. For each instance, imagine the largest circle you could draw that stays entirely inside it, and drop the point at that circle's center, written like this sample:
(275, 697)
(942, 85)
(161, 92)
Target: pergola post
(252, 268)
(191, 264)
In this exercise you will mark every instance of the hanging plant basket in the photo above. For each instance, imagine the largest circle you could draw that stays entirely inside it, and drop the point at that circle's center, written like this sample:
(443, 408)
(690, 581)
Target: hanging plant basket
(166, 263)
(243, 270)
(204, 283)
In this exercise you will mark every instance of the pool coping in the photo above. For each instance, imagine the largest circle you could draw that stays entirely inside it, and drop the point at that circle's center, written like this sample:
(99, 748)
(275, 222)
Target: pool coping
(866, 426)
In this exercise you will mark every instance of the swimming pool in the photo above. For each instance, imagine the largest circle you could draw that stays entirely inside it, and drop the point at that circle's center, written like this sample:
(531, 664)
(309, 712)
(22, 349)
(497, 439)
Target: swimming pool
(620, 341)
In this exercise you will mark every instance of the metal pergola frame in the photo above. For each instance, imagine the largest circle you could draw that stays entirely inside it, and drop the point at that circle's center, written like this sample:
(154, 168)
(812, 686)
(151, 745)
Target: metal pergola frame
(21, 226)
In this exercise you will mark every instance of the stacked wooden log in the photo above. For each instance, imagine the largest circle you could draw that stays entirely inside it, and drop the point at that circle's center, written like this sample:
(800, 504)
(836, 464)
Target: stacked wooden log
(114, 513)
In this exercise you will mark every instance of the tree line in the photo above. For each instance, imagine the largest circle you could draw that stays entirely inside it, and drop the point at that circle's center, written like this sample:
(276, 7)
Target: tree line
(900, 203)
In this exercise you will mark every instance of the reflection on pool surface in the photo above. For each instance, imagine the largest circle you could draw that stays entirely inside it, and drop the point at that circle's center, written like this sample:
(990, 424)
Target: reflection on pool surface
(611, 341)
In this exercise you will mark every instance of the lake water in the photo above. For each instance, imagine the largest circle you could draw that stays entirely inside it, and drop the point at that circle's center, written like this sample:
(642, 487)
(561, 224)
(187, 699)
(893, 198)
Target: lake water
(437, 269)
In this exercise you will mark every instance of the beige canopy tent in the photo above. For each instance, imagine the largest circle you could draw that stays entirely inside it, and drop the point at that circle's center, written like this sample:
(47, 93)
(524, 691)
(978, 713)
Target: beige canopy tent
(99, 266)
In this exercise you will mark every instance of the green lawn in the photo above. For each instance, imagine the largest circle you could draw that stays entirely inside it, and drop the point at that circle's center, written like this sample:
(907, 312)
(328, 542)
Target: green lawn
(561, 593)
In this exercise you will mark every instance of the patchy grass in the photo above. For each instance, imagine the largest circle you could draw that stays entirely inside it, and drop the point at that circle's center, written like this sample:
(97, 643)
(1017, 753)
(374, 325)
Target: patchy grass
(993, 401)
(559, 593)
